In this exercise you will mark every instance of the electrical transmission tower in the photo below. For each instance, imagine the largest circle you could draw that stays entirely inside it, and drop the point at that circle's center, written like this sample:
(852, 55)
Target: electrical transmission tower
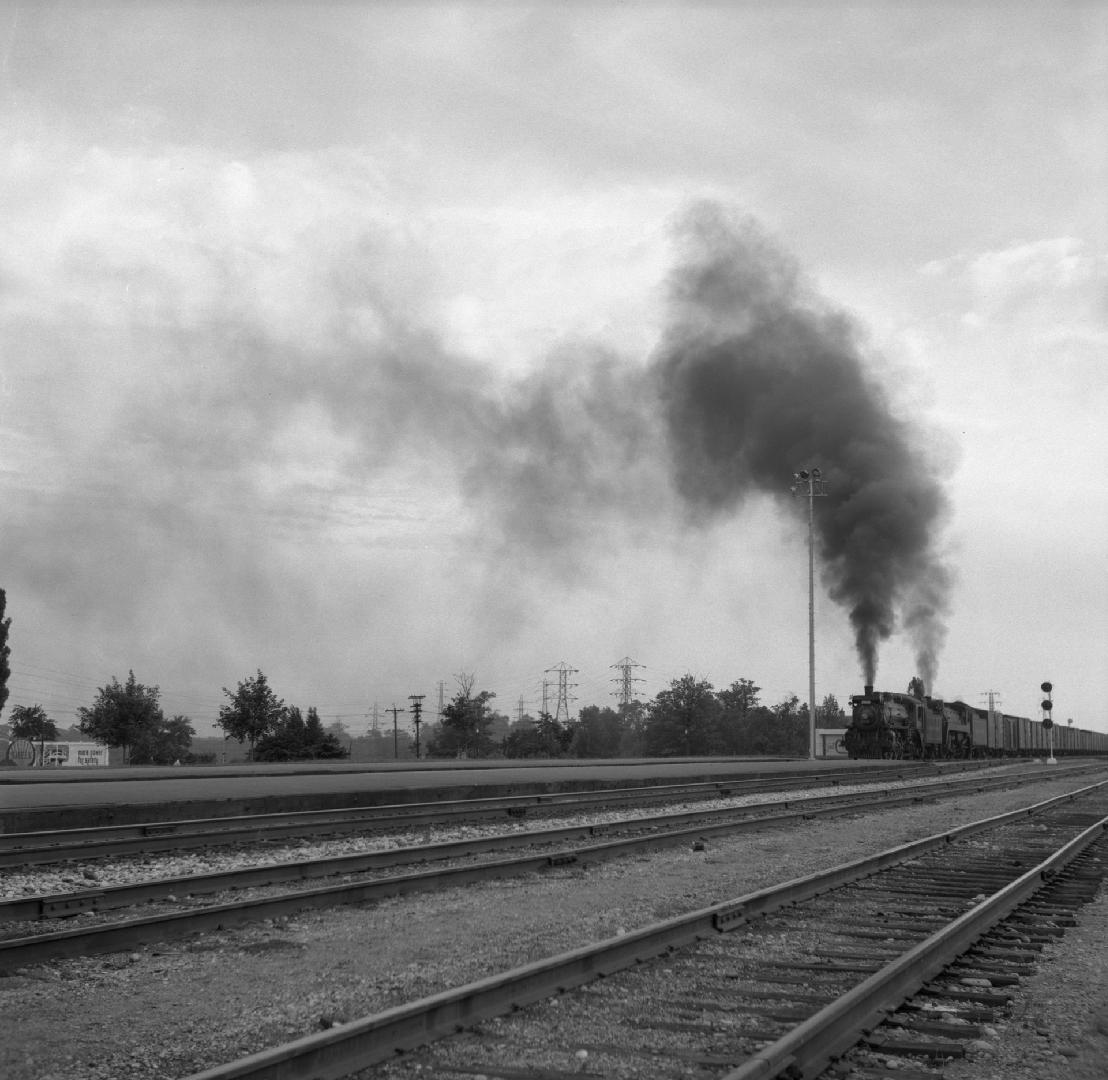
(994, 701)
(626, 692)
(561, 710)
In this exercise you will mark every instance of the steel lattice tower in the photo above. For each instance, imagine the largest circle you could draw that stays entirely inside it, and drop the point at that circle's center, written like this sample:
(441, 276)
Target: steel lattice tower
(626, 693)
(561, 710)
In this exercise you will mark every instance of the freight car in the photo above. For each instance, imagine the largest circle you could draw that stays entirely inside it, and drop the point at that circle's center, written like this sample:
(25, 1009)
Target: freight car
(886, 724)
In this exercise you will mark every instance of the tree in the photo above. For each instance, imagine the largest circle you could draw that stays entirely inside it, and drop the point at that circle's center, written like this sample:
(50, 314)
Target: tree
(286, 741)
(31, 722)
(5, 650)
(598, 733)
(632, 739)
(681, 721)
(124, 715)
(830, 713)
(523, 740)
(738, 702)
(295, 739)
(466, 720)
(164, 742)
(254, 711)
(323, 742)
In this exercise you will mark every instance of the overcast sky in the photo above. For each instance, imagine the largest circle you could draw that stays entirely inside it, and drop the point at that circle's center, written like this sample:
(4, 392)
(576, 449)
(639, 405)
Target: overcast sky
(337, 341)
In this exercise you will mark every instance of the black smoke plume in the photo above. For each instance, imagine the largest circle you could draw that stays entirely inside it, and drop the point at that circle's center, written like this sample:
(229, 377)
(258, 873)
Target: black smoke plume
(758, 378)
(754, 378)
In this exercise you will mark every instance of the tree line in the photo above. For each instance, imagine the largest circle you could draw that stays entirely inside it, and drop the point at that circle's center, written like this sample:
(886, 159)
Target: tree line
(690, 718)
(129, 716)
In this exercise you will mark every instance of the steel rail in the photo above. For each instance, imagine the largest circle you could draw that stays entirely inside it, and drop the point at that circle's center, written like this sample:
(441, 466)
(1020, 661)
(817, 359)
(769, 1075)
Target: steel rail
(133, 933)
(339, 1051)
(711, 822)
(808, 1049)
(39, 848)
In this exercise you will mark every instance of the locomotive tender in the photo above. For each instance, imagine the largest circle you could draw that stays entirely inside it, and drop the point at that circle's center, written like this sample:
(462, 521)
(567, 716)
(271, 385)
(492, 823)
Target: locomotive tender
(887, 724)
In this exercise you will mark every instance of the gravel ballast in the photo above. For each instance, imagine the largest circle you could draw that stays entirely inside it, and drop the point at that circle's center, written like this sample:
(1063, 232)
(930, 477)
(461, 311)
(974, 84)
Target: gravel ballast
(175, 1008)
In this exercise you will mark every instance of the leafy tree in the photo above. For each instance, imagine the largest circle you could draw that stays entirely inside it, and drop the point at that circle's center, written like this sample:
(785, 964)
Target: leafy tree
(830, 713)
(465, 725)
(31, 722)
(164, 742)
(598, 733)
(632, 739)
(254, 711)
(738, 702)
(788, 733)
(545, 737)
(295, 739)
(522, 740)
(286, 740)
(123, 716)
(324, 742)
(681, 721)
(5, 650)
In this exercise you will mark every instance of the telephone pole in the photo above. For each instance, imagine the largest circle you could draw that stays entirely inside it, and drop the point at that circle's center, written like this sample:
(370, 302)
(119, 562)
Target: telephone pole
(395, 731)
(808, 483)
(417, 712)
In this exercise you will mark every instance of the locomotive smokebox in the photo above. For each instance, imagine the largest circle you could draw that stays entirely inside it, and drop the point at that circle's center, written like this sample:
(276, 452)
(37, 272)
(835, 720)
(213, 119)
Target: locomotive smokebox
(869, 690)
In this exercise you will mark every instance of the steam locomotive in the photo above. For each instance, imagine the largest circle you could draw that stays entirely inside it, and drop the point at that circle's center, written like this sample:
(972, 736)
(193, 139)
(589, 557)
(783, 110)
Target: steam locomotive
(886, 724)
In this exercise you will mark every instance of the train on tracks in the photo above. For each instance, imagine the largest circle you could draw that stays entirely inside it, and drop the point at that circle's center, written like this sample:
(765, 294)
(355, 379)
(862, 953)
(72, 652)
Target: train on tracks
(887, 724)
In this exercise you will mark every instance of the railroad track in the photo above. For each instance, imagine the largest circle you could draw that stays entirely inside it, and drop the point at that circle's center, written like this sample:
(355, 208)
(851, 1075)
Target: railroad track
(56, 845)
(903, 952)
(281, 889)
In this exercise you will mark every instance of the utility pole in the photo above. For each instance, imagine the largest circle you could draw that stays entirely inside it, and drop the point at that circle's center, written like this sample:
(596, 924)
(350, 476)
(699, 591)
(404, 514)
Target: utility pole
(519, 710)
(564, 671)
(417, 712)
(626, 692)
(993, 697)
(808, 483)
(395, 731)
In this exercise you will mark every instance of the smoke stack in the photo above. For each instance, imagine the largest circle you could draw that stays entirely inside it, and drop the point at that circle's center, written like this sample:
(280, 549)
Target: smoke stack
(869, 690)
